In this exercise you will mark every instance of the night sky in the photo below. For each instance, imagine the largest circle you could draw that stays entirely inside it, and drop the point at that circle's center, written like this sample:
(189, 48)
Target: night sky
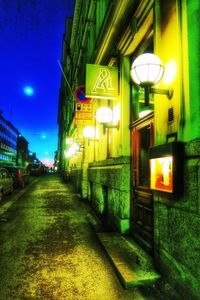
(31, 33)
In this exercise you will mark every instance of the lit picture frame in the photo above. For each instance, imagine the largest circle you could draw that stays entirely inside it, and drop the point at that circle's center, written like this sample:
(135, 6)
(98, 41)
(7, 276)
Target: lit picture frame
(166, 167)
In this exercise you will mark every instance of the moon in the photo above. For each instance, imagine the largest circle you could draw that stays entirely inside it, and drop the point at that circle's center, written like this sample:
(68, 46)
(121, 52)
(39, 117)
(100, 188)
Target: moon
(28, 91)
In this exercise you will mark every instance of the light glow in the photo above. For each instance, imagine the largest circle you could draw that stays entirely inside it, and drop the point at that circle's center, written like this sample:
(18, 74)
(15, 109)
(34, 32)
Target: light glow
(69, 140)
(89, 132)
(72, 150)
(170, 72)
(104, 115)
(144, 113)
(116, 113)
(28, 91)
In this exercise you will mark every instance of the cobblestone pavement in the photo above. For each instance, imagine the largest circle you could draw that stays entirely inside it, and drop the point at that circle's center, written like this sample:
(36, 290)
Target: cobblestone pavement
(49, 251)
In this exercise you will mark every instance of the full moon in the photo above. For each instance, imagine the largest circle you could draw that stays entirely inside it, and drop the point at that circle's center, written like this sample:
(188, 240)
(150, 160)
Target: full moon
(28, 91)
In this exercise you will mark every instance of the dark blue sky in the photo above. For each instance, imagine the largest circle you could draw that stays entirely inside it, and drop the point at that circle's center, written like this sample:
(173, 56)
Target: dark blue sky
(31, 33)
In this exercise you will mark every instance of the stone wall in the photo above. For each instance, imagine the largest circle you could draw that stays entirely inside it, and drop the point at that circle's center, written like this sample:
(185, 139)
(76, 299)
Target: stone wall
(177, 223)
(109, 182)
(76, 179)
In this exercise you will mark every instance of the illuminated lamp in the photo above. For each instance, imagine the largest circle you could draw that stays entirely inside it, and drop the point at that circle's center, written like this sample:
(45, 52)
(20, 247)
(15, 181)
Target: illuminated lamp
(72, 150)
(89, 132)
(146, 71)
(144, 113)
(104, 116)
(69, 140)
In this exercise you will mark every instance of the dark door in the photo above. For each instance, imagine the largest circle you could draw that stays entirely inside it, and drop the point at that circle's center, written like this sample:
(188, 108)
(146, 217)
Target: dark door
(142, 198)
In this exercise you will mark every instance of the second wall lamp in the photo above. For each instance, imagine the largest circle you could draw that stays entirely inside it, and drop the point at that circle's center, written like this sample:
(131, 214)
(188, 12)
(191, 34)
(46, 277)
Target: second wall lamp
(104, 116)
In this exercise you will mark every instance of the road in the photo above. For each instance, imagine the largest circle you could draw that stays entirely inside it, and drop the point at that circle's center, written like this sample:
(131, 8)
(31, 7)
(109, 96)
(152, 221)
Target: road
(49, 250)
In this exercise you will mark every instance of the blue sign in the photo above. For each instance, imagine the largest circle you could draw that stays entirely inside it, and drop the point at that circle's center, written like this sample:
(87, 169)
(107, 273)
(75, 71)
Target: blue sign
(79, 94)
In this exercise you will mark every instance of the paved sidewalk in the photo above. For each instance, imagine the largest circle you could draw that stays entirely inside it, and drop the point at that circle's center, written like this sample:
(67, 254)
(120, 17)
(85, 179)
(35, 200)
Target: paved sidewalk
(49, 251)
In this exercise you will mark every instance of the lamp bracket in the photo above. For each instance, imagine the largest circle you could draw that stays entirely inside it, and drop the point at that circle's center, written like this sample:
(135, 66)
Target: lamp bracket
(108, 125)
(168, 93)
(92, 140)
(149, 89)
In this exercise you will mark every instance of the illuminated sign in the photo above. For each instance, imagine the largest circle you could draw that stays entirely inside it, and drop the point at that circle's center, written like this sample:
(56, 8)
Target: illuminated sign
(162, 174)
(101, 82)
(84, 114)
(166, 167)
(81, 122)
(84, 107)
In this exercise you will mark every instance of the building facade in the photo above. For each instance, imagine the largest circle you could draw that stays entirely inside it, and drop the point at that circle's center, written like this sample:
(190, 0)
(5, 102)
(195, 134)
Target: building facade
(141, 171)
(13, 146)
(8, 142)
(22, 158)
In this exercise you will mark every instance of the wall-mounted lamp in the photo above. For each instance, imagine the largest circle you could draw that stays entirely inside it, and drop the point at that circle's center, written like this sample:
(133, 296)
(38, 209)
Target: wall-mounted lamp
(89, 132)
(146, 71)
(72, 150)
(104, 116)
(69, 140)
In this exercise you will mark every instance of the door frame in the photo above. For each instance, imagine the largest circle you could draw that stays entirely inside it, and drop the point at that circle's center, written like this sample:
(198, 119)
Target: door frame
(141, 196)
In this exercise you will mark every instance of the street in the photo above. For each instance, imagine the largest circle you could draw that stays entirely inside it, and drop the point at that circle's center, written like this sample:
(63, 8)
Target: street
(50, 251)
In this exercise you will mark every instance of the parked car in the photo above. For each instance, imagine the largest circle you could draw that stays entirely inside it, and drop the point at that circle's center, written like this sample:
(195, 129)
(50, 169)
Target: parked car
(6, 183)
(20, 175)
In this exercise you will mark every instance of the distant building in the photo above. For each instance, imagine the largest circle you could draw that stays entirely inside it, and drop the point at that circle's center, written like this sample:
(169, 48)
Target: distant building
(8, 142)
(13, 146)
(32, 157)
(22, 151)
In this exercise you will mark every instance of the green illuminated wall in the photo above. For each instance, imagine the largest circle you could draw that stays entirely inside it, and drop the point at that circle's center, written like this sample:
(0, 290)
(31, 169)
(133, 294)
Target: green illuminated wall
(193, 17)
(176, 217)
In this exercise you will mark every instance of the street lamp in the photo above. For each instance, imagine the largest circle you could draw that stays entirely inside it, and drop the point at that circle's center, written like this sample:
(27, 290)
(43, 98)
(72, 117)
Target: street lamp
(72, 150)
(104, 116)
(89, 132)
(146, 71)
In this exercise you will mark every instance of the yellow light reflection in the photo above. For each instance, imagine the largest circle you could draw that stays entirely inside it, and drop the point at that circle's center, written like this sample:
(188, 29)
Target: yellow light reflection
(170, 72)
(116, 113)
(144, 113)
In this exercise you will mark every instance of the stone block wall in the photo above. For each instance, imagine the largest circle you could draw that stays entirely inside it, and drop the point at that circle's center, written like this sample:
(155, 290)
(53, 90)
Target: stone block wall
(176, 230)
(76, 179)
(110, 191)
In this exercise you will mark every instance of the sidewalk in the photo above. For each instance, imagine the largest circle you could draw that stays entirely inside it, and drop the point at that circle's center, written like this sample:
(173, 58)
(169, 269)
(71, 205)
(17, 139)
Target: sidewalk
(50, 252)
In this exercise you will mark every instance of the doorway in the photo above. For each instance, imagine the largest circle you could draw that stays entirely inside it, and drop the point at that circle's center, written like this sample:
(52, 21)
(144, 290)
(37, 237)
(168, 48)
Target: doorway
(141, 195)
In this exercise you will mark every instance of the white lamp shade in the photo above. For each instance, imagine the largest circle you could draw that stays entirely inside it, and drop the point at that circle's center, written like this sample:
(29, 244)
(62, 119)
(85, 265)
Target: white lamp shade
(104, 115)
(89, 132)
(147, 69)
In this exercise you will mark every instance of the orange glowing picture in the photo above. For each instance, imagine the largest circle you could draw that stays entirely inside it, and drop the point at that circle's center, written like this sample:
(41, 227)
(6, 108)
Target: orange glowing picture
(162, 174)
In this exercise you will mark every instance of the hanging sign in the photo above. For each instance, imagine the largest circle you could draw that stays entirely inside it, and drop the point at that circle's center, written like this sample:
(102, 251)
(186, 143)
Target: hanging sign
(101, 82)
(79, 94)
